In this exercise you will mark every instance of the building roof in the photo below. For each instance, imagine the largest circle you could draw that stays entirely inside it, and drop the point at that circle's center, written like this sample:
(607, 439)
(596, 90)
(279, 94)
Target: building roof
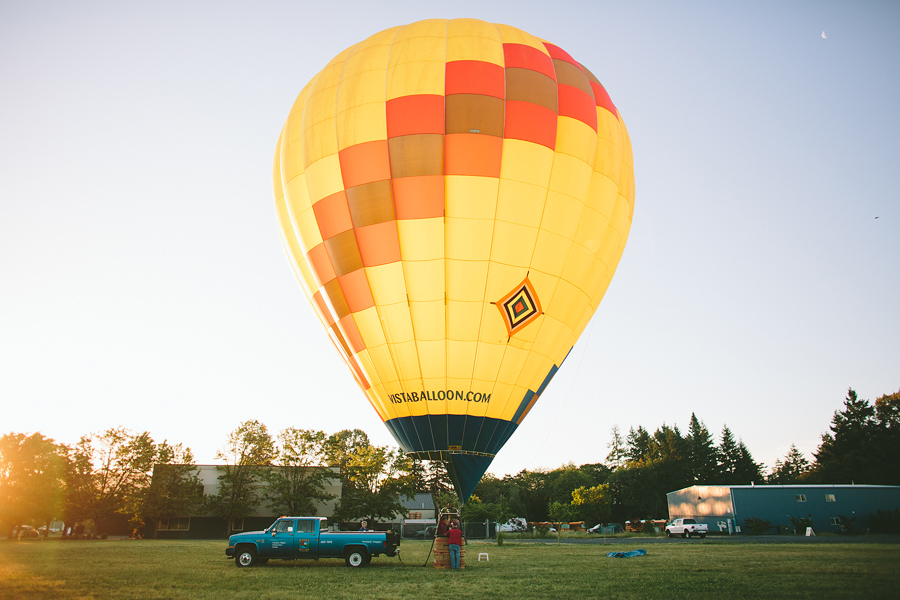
(419, 501)
(816, 485)
(792, 486)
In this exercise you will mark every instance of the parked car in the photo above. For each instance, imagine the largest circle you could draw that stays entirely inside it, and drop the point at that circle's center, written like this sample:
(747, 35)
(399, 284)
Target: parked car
(686, 528)
(608, 529)
(25, 532)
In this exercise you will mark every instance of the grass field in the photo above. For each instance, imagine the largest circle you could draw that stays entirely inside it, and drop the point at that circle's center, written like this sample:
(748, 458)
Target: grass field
(127, 569)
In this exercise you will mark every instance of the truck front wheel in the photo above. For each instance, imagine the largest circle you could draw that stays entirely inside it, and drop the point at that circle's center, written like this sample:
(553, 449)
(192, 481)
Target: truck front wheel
(356, 558)
(245, 557)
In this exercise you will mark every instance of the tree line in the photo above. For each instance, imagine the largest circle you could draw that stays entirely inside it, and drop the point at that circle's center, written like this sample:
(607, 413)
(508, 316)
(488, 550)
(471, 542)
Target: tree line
(121, 475)
(861, 446)
(118, 476)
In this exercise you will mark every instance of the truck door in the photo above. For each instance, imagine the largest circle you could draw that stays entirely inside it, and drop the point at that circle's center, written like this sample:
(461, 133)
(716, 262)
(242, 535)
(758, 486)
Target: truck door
(280, 539)
(307, 538)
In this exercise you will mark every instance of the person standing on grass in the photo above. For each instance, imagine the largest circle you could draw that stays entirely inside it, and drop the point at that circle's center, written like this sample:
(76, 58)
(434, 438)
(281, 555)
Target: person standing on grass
(454, 542)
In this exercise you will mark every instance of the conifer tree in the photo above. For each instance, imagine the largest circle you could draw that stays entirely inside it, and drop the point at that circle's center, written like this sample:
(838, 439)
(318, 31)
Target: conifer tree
(702, 454)
(794, 468)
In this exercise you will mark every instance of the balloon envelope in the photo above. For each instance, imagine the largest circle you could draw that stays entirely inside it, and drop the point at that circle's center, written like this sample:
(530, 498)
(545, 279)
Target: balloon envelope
(454, 197)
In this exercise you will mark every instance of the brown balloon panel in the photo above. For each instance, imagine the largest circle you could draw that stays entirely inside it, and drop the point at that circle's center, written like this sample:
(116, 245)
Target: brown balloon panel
(454, 197)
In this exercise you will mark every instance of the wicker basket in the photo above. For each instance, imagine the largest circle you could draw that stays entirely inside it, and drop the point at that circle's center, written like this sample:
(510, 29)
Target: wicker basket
(442, 554)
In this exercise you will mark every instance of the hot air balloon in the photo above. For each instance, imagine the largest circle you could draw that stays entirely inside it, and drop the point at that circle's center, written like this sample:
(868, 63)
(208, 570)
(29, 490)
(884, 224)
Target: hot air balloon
(454, 197)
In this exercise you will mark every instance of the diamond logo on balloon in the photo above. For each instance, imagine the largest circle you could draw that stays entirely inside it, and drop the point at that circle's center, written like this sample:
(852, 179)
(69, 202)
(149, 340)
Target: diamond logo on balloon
(519, 307)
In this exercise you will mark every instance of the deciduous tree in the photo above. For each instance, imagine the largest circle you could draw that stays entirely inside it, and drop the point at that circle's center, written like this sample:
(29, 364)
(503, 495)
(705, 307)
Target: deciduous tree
(376, 478)
(105, 473)
(562, 481)
(501, 492)
(560, 512)
(174, 491)
(31, 480)
(340, 446)
(476, 510)
(592, 504)
(248, 449)
(299, 479)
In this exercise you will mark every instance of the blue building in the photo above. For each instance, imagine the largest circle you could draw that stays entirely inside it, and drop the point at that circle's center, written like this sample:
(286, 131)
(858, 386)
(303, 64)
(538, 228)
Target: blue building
(725, 507)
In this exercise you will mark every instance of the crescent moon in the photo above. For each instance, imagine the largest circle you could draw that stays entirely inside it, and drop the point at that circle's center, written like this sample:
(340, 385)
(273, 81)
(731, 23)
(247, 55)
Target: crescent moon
(824, 36)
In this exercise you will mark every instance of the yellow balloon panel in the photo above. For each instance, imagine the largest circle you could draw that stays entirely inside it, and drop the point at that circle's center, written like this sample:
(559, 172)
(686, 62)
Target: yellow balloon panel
(424, 280)
(475, 43)
(463, 320)
(454, 196)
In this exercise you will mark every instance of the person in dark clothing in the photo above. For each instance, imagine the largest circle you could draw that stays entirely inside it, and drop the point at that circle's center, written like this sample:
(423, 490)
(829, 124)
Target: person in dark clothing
(443, 526)
(454, 542)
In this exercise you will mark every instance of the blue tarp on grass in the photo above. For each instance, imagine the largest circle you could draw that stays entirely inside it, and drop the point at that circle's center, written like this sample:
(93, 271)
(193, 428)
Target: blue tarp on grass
(628, 554)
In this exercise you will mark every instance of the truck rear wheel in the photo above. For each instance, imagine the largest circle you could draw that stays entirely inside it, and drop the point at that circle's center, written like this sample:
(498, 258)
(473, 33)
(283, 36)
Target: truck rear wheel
(245, 557)
(356, 558)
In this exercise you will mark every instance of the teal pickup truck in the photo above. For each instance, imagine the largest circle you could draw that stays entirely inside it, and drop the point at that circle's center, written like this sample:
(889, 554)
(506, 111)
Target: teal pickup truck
(290, 538)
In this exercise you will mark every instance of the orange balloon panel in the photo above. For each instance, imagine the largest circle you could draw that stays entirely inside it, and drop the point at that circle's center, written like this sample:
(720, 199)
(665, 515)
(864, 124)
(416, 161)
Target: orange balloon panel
(455, 197)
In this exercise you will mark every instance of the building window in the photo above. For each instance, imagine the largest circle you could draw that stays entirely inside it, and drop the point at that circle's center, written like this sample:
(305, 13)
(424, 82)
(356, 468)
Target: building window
(801, 497)
(829, 497)
(415, 515)
(174, 524)
(835, 520)
(238, 525)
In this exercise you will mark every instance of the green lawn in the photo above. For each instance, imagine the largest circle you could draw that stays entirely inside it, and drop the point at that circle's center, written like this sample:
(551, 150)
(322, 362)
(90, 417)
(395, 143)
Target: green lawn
(199, 569)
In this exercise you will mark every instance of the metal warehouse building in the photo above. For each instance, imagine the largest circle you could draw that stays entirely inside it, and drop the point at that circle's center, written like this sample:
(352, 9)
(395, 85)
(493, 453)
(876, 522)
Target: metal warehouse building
(724, 507)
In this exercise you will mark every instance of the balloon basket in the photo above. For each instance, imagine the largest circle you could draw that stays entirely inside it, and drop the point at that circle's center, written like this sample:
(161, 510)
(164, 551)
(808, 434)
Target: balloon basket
(442, 554)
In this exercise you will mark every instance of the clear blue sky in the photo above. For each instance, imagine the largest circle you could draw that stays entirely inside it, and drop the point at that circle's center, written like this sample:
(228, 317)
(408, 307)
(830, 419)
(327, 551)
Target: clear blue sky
(142, 281)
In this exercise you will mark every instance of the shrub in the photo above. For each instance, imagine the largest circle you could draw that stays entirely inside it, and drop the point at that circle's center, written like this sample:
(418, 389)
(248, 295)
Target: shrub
(757, 526)
(801, 524)
(500, 538)
(848, 524)
(885, 521)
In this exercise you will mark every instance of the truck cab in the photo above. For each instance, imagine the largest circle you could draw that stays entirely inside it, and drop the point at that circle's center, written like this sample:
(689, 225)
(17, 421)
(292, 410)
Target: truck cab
(287, 537)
